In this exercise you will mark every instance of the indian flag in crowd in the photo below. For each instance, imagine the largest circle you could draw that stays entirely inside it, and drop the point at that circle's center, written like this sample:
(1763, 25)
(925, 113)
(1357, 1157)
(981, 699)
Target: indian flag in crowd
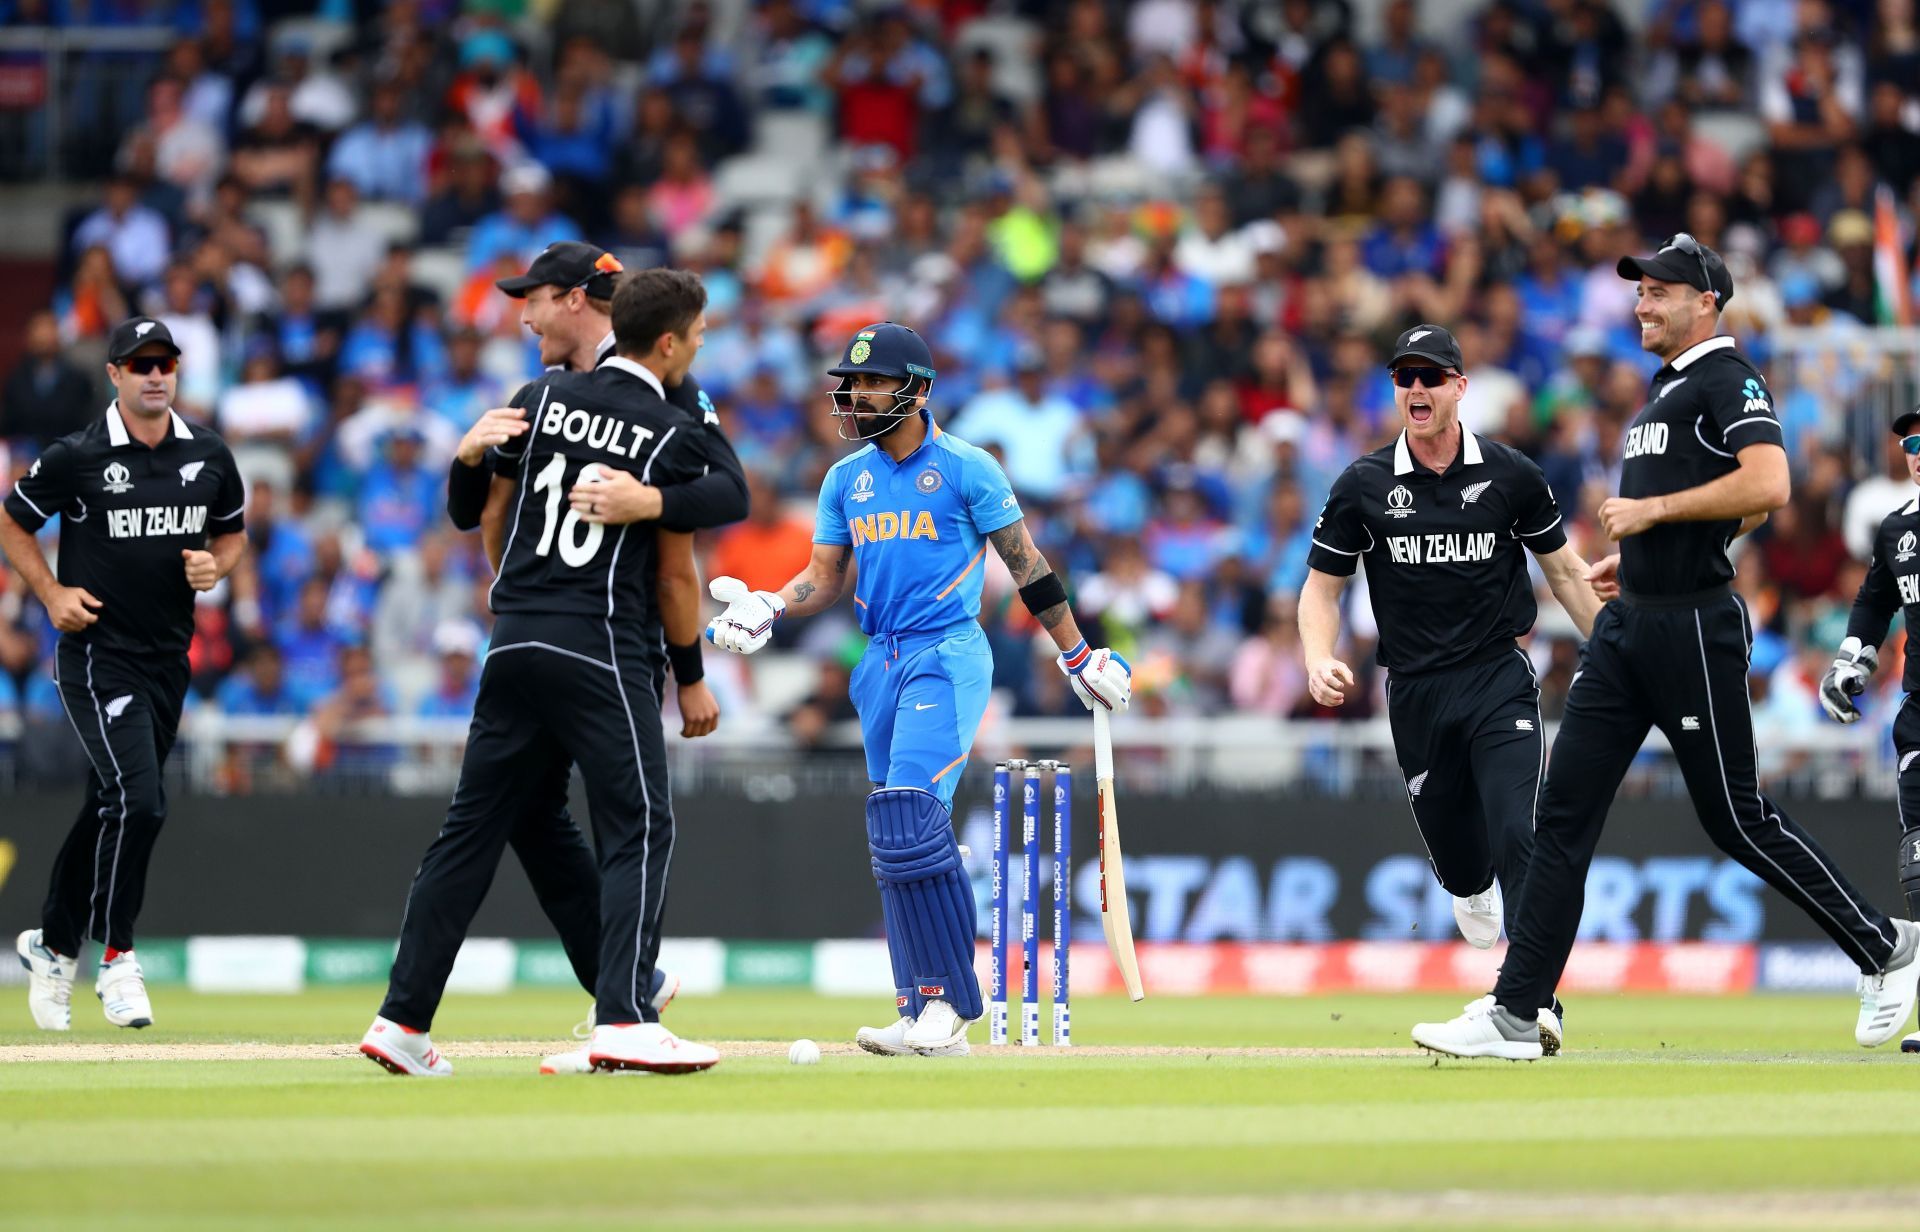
(1892, 290)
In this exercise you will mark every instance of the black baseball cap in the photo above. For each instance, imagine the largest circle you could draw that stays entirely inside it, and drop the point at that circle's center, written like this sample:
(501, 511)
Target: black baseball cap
(567, 264)
(1903, 423)
(1429, 342)
(132, 334)
(1683, 259)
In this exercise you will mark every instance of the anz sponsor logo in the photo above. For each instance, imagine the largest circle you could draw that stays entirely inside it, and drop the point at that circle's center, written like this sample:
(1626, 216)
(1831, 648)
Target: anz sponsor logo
(1441, 549)
(1646, 438)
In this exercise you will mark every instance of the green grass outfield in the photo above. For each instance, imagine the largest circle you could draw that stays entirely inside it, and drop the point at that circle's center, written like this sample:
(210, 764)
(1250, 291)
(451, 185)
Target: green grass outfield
(1667, 1113)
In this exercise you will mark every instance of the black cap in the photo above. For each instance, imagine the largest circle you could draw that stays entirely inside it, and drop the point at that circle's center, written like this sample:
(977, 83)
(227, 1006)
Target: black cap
(1683, 259)
(567, 264)
(1904, 422)
(1430, 342)
(132, 334)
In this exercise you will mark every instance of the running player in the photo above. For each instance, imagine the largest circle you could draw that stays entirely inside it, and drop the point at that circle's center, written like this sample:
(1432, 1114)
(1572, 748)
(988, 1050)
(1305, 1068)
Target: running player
(916, 509)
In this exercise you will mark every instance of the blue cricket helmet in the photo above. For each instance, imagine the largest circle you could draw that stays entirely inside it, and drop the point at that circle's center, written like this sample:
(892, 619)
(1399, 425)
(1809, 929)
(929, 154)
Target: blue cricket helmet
(890, 350)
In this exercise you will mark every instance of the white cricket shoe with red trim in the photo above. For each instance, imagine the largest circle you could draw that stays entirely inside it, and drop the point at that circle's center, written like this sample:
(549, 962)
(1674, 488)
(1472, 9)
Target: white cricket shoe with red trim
(403, 1050)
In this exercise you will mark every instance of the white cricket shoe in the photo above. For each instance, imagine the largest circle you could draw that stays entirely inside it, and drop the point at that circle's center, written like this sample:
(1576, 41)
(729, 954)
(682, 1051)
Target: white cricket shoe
(1911, 1043)
(1479, 917)
(939, 1031)
(647, 1046)
(403, 1050)
(49, 982)
(1886, 999)
(122, 990)
(1485, 1030)
(889, 1041)
(1552, 1035)
(579, 1061)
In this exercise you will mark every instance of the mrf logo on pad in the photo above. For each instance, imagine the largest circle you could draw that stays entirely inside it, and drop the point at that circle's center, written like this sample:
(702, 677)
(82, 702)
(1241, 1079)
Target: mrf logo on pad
(933, 990)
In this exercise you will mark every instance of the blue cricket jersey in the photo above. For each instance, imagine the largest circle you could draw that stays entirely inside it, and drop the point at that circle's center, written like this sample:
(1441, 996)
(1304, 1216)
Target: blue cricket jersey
(918, 528)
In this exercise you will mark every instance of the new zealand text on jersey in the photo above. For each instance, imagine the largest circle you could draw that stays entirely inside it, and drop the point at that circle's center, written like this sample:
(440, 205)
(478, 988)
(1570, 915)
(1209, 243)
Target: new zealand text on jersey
(598, 431)
(156, 521)
(1441, 549)
(1646, 438)
(1909, 588)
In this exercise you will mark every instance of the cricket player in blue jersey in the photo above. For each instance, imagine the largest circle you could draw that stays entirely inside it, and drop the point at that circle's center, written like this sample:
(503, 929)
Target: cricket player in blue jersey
(916, 509)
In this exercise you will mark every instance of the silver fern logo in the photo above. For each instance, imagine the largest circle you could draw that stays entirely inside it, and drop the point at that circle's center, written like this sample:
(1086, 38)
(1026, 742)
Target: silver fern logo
(1418, 781)
(1471, 493)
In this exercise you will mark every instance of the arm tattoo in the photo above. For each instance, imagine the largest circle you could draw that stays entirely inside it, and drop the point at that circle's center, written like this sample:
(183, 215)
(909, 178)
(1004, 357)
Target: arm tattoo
(846, 556)
(1027, 565)
(803, 592)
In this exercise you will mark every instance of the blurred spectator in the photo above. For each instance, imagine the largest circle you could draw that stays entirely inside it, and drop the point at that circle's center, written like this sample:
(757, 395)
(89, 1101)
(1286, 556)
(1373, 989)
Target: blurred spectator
(343, 248)
(264, 418)
(696, 83)
(401, 495)
(260, 689)
(45, 396)
(769, 547)
(188, 153)
(682, 197)
(135, 237)
(525, 224)
(385, 155)
(806, 260)
(1040, 435)
(490, 90)
(278, 155)
(309, 647)
(465, 196)
(792, 58)
(457, 644)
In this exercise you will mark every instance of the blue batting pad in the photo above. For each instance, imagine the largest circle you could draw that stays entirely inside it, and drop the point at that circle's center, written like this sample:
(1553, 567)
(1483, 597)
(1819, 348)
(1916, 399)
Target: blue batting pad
(927, 896)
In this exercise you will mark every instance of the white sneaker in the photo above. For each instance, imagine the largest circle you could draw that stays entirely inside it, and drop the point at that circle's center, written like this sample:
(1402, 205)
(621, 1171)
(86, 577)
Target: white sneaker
(1479, 917)
(576, 1061)
(888, 1041)
(403, 1050)
(1485, 1030)
(122, 990)
(647, 1046)
(938, 1032)
(666, 987)
(1552, 1035)
(49, 982)
(1911, 1043)
(1886, 999)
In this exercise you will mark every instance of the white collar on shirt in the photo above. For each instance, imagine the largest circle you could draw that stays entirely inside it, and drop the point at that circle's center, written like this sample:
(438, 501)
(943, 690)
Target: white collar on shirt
(118, 435)
(632, 369)
(1719, 342)
(1403, 457)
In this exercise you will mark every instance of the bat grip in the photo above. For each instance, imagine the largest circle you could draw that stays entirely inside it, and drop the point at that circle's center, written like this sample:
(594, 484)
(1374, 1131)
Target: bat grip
(1102, 746)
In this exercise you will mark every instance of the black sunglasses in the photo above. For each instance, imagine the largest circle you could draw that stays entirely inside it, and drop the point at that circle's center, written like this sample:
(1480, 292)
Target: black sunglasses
(1432, 378)
(145, 364)
(1911, 443)
(1687, 244)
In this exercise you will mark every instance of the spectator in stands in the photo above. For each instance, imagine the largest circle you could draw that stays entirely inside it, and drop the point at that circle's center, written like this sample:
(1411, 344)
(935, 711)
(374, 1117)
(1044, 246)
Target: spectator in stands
(682, 197)
(490, 90)
(526, 222)
(1041, 434)
(695, 79)
(401, 495)
(45, 396)
(188, 154)
(309, 646)
(135, 237)
(260, 688)
(792, 57)
(343, 249)
(574, 137)
(385, 155)
(772, 538)
(463, 196)
(457, 644)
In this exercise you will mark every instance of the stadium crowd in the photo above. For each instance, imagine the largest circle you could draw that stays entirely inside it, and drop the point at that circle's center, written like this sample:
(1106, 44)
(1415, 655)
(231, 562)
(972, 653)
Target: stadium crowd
(1157, 247)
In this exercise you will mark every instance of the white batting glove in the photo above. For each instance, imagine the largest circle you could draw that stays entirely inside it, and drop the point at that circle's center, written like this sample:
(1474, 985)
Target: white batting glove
(1099, 677)
(748, 621)
(1847, 679)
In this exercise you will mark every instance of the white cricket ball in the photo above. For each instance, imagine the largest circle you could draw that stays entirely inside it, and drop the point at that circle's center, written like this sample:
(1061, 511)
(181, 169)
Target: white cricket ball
(803, 1052)
(593, 472)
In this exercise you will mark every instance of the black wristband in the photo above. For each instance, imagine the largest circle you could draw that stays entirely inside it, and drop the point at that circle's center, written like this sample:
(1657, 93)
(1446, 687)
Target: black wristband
(1043, 593)
(689, 667)
(467, 488)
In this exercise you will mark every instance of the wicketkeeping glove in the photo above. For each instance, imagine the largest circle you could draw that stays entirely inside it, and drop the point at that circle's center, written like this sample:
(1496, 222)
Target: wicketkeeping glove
(1098, 677)
(1847, 679)
(748, 621)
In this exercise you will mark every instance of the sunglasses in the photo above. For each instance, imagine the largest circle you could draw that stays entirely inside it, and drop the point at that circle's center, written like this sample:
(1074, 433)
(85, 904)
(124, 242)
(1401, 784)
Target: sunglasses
(1911, 443)
(1432, 378)
(1687, 244)
(145, 364)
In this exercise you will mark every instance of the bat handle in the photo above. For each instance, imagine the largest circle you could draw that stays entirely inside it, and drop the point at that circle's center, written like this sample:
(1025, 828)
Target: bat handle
(1102, 746)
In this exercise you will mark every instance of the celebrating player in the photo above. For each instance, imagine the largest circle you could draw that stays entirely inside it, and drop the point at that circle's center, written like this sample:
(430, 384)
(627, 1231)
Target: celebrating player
(1892, 585)
(150, 515)
(915, 510)
(1703, 465)
(572, 677)
(1439, 517)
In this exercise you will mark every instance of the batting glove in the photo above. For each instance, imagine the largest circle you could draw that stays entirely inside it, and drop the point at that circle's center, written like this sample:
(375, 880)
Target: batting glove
(748, 621)
(1847, 679)
(1098, 677)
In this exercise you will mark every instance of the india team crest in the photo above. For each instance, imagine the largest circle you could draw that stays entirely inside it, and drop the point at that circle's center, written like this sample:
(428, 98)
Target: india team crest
(928, 482)
(861, 350)
(863, 487)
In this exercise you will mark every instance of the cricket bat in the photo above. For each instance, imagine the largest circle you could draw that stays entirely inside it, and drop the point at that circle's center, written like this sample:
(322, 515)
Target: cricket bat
(1113, 877)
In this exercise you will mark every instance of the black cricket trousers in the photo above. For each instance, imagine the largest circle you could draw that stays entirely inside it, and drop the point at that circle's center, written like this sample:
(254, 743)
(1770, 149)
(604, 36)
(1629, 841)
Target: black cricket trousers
(554, 690)
(1470, 748)
(126, 710)
(1680, 665)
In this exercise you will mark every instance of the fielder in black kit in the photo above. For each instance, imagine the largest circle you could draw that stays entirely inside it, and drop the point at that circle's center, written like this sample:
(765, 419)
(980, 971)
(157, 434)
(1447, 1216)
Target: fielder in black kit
(1441, 517)
(1703, 464)
(1892, 585)
(572, 675)
(151, 513)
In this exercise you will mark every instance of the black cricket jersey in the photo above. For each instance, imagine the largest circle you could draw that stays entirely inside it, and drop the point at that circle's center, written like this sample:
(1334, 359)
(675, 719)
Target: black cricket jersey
(126, 512)
(1892, 585)
(1703, 408)
(1443, 552)
(616, 416)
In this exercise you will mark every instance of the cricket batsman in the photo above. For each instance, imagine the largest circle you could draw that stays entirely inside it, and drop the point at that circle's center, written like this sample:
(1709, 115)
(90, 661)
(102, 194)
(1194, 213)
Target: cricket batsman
(916, 509)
